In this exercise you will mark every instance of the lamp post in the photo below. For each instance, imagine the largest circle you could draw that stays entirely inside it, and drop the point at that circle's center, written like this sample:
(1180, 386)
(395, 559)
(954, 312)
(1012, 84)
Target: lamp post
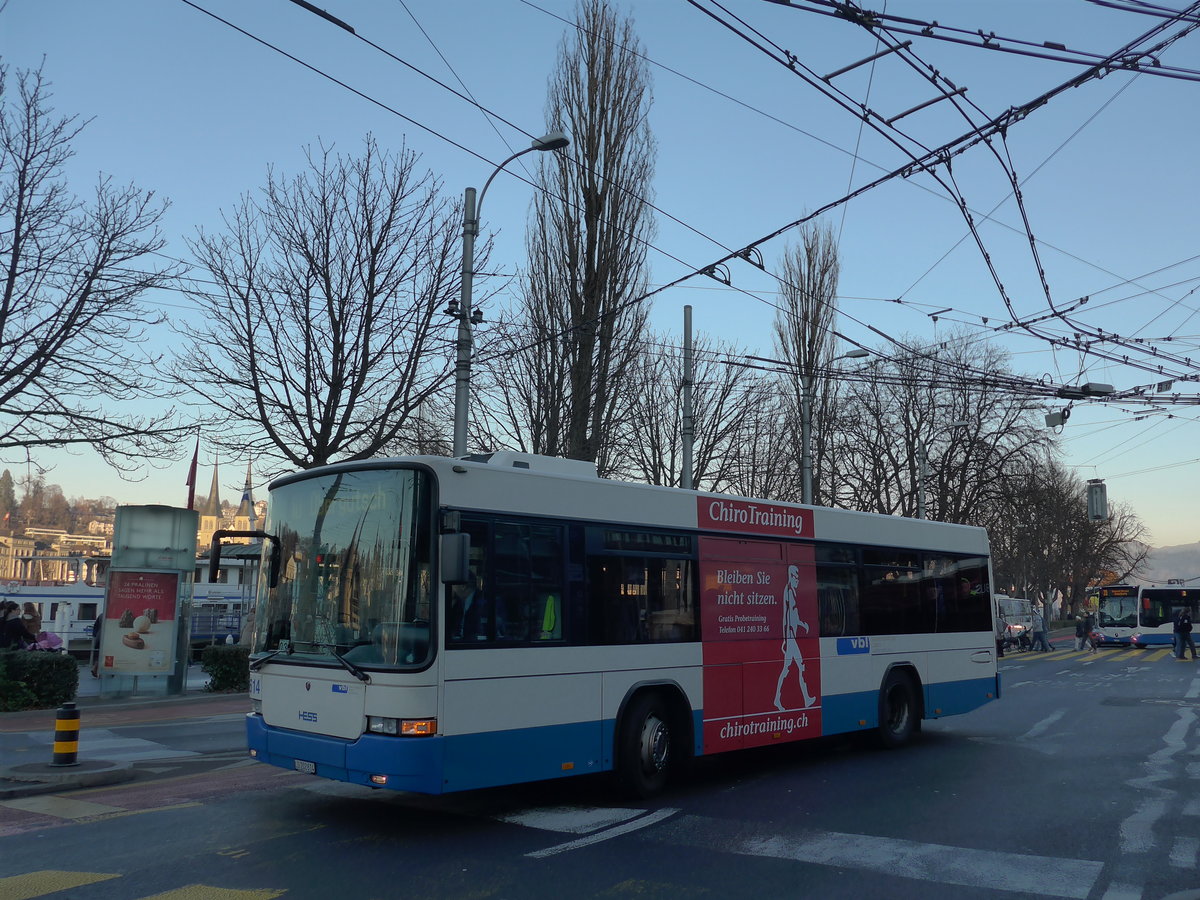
(806, 383)
(555, 140)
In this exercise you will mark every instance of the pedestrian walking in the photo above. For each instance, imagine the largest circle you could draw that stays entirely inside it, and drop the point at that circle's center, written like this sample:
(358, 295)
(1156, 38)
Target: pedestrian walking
(1039, 633)
(1083, 634)
(1183, 633)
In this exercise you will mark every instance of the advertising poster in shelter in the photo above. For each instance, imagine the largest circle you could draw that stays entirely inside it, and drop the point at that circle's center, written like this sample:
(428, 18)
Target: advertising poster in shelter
(762, 665)
(138, 634)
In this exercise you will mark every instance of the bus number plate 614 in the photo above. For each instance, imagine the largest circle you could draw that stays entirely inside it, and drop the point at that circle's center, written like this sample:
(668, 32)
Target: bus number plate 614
(308, 768)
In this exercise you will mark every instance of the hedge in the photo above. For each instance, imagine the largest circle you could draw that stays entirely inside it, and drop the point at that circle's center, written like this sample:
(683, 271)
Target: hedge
(34, 679)
(229, 668)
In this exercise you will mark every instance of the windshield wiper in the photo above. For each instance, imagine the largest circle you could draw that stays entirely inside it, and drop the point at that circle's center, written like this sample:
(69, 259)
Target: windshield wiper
(349, 666)
(257, 664)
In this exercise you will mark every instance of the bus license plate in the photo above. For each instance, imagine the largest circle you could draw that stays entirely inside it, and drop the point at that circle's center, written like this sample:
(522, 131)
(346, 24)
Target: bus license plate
(308, 768)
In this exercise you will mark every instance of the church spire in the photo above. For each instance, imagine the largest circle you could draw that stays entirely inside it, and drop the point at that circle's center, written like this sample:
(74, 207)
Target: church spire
(245, 510)
(212, 504)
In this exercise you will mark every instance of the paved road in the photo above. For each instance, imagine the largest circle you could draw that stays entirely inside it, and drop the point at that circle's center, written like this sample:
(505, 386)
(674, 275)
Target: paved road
(1080, 783)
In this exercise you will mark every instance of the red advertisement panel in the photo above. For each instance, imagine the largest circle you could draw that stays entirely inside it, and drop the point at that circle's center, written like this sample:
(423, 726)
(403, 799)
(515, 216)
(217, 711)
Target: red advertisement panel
(138, 634)
(754, 517)
(762, 667)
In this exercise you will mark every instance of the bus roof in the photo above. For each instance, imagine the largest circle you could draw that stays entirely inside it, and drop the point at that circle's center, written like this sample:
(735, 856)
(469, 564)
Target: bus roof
(527, 484)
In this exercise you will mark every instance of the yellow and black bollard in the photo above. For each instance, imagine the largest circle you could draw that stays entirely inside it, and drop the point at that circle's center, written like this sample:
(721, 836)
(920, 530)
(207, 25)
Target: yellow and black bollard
(66, 736)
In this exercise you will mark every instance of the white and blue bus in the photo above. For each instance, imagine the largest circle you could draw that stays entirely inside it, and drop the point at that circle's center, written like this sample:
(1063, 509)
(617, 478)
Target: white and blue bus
(1156, 610)
(432, 624)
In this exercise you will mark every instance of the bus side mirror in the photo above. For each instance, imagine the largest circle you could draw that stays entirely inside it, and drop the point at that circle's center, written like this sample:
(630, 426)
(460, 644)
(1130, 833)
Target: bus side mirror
(456, 558)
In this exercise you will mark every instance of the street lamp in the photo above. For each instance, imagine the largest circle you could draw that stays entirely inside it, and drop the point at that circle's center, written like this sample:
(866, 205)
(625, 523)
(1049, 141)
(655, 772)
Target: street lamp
(555, 140)
(806, 424)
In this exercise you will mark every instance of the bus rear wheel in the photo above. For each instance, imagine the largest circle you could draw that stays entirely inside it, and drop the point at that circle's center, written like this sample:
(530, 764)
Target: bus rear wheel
(644, 746)
(898, 711)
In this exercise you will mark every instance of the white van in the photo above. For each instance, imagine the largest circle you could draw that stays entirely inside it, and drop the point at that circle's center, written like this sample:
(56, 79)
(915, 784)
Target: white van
(1014, 616)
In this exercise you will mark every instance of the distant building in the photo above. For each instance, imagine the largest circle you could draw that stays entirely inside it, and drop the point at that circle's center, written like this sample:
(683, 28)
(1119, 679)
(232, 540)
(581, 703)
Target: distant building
(102, 525)
(213, 518)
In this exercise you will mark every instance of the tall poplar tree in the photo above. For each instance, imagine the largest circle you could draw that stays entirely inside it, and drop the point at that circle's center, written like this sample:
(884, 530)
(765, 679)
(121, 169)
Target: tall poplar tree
(561, 367)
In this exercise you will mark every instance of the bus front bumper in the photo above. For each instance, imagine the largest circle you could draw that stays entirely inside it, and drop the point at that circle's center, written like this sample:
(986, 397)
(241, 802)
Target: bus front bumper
(396, 763)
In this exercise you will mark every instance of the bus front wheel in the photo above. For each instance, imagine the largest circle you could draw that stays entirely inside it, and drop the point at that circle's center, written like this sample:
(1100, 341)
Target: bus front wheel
(898, 711)
(644, 746)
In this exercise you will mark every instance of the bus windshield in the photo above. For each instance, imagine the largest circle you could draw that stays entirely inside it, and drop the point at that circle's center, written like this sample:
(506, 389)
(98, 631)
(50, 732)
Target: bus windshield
(355, 577)
(1118, 612)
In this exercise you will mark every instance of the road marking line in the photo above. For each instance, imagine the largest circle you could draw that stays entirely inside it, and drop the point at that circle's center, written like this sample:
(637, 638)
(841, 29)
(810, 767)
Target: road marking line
(1040, 727)
(137, 812)
(61, 807)
(570, 819)
(1122, 892)
(47, 881)
(992, 870)
(207, 892)
(1184, 852)
(649, 819)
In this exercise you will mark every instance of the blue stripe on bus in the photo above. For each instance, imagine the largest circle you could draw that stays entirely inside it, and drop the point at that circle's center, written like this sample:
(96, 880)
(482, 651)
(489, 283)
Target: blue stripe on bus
(524, 754)
(841, 713)
(1157, 639)
(435, 765)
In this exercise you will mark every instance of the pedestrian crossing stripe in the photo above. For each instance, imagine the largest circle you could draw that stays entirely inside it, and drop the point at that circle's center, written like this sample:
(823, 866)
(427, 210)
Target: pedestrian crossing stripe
(1109, 654)
(205, 892)
(50, 881)
(47, 881)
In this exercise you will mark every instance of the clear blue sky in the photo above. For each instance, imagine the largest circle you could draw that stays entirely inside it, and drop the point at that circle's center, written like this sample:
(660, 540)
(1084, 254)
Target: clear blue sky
(189, 107)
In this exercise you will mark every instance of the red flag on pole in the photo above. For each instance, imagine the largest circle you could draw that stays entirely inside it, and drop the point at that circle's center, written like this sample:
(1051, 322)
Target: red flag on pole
(191, 479)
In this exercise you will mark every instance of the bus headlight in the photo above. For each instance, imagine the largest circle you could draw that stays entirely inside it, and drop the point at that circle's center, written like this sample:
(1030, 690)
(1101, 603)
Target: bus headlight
(383, 725)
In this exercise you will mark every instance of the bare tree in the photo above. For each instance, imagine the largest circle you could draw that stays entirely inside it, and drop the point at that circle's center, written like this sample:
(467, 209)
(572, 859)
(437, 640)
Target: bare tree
(932, 402)
(74, 274)
(1045, 542)
(324, 339)
(577, 336)
(763, 464)
(723, 396)
(804, 339)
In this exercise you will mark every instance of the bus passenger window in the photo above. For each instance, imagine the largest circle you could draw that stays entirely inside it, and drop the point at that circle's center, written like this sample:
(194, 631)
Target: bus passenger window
(837, 600)
(961, 594)
(528, 581)
(642, 599)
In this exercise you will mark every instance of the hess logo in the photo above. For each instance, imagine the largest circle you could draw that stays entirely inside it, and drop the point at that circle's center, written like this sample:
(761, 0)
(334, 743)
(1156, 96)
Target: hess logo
(306, 716)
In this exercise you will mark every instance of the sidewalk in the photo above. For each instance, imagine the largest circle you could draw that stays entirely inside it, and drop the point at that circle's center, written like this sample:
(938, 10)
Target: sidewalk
(17, 728)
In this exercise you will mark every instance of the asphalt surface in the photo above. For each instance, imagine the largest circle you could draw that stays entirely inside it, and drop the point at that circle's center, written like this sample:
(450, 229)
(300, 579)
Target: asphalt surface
(103, 712)
(96, 711)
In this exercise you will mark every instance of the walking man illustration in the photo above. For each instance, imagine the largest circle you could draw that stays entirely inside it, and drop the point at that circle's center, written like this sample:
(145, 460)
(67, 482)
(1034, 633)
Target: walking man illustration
(791, 649)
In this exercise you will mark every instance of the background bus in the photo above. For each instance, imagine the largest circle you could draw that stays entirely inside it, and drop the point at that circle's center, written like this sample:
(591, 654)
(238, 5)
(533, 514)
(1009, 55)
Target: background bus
(1116, 613)
(432, 625)
(1156, 611)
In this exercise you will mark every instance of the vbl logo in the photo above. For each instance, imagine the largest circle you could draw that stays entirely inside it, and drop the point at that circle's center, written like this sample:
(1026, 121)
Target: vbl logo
(306, 716)
(846, 646)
